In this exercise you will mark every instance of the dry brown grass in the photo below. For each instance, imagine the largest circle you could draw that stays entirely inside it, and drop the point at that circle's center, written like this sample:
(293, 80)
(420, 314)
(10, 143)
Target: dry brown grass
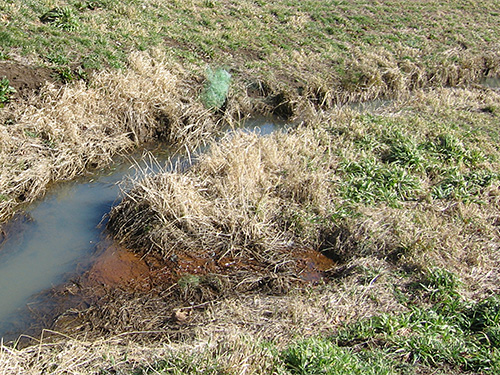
(233, 201)
(228, 333)
(71, 356)
(377, 73)
(261, 197)
(64, 132)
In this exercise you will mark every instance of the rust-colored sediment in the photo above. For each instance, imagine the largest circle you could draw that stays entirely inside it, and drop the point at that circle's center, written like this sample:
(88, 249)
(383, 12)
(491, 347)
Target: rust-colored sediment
(313, 264)
(119, 267)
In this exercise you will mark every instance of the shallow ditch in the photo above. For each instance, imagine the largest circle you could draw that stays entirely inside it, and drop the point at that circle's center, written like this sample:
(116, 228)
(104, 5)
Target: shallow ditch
(61, 237)
(53, 241)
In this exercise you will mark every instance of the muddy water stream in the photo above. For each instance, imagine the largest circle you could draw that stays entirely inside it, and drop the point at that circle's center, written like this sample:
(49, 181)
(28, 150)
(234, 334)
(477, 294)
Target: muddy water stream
(58, 235)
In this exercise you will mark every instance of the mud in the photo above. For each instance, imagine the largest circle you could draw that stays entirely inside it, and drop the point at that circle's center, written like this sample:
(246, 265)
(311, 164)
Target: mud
(313, 265)
(27, 80)
(122, 292)
(162, 302)
(117, 267)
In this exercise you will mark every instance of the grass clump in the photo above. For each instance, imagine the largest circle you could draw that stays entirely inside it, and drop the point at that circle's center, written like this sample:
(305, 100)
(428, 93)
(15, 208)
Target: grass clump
(230, 200)
(370, 181)
(63, 18)
(464, 186)
(321, 356)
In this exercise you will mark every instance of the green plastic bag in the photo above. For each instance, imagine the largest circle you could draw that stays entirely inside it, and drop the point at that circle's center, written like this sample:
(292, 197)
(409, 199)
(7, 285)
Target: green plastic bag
(214, 93)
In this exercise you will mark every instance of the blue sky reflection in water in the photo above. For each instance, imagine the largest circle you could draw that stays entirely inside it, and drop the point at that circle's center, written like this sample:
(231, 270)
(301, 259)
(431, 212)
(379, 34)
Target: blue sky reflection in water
(63, 229)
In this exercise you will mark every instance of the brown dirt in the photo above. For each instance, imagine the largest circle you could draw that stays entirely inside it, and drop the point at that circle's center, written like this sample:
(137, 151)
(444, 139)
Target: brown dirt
(118, 267)
(27, 80)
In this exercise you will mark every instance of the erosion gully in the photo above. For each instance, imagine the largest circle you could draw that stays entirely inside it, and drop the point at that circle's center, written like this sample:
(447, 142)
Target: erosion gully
(61, 236)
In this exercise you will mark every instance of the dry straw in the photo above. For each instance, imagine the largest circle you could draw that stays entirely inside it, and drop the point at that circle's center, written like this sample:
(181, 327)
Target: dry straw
(231, 330)
(233, 201)
(66, 131)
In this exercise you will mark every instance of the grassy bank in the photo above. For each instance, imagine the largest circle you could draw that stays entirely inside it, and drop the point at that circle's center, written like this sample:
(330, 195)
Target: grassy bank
(403, 198)
(417, 185)
(328, 49)
(282, 57)
(66, 132)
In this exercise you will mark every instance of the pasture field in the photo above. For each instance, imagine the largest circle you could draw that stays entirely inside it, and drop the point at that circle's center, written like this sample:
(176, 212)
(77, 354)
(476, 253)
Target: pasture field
(364, 239)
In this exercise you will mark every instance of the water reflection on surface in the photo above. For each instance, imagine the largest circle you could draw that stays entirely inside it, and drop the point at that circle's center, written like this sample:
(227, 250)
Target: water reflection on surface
(61, 230)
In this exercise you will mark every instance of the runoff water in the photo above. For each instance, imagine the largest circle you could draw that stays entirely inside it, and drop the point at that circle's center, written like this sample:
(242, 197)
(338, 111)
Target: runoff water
(62, 231)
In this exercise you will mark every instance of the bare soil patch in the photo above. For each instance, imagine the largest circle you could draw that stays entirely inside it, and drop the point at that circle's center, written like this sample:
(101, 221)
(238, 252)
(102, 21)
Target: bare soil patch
(118, 267)
(27, 80)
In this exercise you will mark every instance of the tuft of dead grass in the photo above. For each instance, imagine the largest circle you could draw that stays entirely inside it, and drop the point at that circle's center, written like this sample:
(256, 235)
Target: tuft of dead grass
(264, 197)
(232, 201)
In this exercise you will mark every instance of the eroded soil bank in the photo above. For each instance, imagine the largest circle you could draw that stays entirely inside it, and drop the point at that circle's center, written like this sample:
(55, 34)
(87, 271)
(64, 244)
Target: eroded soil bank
(26, 79)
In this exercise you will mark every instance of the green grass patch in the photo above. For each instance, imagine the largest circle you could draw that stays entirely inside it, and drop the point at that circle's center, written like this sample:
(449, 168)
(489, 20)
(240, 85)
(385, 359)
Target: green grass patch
(452, 332)
(464, 186)
(304, 41)
(63, 18)
(453, 336)
(6, 91)
(322, 356)
(415, 157)
(369, 181)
